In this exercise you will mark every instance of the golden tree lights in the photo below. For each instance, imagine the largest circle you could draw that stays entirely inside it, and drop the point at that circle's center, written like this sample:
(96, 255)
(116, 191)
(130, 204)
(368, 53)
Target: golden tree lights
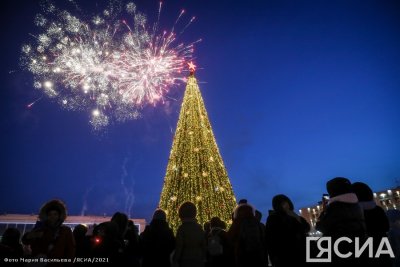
(195, 170)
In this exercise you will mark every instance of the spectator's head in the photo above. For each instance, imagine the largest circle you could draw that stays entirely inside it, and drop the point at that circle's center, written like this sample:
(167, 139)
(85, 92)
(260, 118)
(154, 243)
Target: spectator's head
(338, 186)
(80, 231)
(53, 213)
(187, 211)
(11, 237)
(106, 230)
(244, 211)
(217, 222)
(121, 219)
(242, 201)
(159, 214)
(363, 192)
(282, 203)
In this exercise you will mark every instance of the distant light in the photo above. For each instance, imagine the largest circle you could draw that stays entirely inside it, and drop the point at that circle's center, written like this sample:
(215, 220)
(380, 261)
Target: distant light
(48, 84)
(96, 112)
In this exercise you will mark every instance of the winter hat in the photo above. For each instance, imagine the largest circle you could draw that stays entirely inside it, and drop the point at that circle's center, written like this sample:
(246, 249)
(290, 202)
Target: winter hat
(159, 214)
(338, 186)
(187, 210)
(278, 200)
(363, 192)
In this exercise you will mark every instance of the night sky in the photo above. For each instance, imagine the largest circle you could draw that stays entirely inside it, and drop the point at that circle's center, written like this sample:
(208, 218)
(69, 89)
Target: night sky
(297, 92)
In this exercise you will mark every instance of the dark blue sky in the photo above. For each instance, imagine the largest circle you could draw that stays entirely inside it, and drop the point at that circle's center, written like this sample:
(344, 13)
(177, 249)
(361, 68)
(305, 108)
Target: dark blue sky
(297, 92)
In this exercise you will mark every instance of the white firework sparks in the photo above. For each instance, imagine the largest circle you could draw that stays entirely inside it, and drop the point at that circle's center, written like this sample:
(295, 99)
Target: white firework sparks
(103, 65)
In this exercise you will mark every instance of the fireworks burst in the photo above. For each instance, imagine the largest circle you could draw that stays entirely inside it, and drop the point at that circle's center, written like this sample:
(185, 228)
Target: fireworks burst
(106, 65)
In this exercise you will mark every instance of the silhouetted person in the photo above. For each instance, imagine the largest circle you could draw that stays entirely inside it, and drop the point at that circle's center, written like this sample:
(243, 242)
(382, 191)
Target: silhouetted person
(157, 241)
(82, 241)
(207, 229)
(50, 238)
(286, 234)
(342, 217)
(246, 238)
(128, 252)
(106, 243)
(376, 221)
(132, 247)
(219, 251)
(258, 216)
(10, 246)
(190, 241)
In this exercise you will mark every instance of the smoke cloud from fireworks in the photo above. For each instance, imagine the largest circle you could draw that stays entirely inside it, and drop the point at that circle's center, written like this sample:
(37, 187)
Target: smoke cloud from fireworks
(109, 65)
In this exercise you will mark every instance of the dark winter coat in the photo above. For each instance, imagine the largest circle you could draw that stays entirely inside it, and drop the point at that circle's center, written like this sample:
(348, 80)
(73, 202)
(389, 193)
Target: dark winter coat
(376, 221)
(226, 258)
(51, 241)
(108, 244)
(286, 239)
(342, 218)
(190, 244)
(244, 214)
(377, 227)
(157, 243)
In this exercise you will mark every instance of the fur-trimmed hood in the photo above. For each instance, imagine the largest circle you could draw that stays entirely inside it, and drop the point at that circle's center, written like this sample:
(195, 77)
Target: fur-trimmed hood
(54, 204)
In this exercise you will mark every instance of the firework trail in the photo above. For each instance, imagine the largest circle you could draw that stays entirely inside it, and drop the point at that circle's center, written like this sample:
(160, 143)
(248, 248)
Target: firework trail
(107, 65)
(128, 185)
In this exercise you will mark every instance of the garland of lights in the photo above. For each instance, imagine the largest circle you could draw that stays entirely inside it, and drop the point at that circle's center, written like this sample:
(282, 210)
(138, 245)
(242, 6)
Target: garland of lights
(195, 170)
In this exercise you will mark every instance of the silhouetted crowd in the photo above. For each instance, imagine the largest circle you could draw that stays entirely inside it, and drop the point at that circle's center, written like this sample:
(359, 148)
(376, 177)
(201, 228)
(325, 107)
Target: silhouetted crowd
(350, 211)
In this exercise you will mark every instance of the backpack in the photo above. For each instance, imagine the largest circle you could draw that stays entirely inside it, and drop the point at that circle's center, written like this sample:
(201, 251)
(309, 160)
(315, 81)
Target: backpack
(250, 236)
(215, 247)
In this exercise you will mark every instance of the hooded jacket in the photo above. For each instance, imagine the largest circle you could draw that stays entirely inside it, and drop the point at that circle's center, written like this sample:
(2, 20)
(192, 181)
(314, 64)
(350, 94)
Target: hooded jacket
(51, 241)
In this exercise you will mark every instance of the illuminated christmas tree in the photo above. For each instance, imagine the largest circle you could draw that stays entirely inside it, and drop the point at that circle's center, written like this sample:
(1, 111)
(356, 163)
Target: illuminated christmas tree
(195, 170)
